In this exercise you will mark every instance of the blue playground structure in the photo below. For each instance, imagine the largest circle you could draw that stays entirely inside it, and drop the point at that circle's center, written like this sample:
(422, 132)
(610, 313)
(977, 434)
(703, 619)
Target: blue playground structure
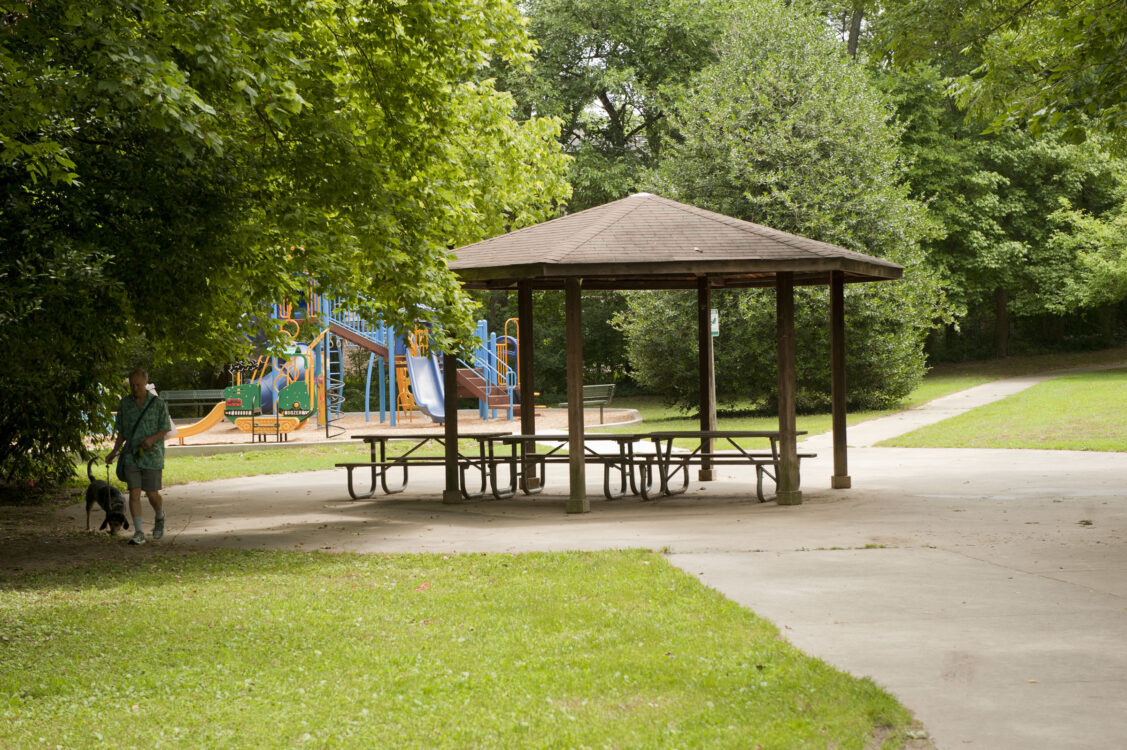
(407, 375)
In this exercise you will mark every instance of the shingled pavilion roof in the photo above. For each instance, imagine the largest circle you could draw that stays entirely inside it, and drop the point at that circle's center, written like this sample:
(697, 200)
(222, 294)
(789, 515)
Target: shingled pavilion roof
(649, 242)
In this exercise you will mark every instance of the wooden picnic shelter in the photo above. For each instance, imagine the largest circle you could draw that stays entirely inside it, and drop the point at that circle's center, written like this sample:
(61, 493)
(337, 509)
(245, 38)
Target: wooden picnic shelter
(649, 242)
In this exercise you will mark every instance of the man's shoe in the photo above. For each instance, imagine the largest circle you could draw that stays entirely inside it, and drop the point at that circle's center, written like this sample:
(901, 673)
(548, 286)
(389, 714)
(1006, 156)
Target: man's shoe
(138, 537)
(158, 528)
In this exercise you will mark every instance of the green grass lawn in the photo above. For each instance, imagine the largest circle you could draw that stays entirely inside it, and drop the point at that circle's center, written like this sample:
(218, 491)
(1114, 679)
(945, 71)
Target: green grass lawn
(1073, 412)
(938, 384)
(1008, 367)
(236, 649)
(181, 469)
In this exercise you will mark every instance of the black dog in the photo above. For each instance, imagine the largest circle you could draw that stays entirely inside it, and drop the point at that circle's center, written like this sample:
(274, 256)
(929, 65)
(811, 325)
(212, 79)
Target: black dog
(108, 498)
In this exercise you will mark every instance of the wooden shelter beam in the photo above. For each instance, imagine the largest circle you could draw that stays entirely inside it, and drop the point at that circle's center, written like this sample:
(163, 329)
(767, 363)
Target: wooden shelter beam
(840, 479)
(527, 379)
(685, 270)
(452, 494)
(787, 491)
(660, 281)
(707, 374)
(573, 315)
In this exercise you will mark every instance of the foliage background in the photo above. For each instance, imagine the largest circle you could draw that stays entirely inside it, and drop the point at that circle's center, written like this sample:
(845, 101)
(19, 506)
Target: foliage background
(170, 172)
(786, 131)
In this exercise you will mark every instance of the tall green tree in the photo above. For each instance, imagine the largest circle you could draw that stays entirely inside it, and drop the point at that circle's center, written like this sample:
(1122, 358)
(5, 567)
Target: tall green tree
(609, 70)
(169, 170)
(787, 130)
(1054, 64)
(1016, 211)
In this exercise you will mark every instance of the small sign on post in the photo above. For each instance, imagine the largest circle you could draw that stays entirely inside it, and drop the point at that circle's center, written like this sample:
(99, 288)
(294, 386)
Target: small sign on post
(715, 318)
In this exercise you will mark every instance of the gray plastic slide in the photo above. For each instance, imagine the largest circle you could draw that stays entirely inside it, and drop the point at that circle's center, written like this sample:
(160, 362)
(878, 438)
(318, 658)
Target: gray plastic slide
(427, 386)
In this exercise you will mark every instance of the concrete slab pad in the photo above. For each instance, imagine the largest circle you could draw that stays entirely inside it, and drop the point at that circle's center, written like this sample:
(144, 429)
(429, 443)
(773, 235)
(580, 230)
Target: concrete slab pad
(985, 655)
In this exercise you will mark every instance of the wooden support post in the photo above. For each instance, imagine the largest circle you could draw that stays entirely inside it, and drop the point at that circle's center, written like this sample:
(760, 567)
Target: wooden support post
(707, 375)
(577, 501)
(840, 479)
(787, 491)
(452, 493)
(527, 379)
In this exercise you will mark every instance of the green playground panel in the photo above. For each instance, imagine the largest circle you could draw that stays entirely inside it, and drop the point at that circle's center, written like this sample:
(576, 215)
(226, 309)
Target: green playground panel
(242, 401)
(295, 401)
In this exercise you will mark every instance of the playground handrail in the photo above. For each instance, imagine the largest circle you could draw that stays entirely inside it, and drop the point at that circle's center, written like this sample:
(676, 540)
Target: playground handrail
(496, 372)
(493, 370)
(333, 311)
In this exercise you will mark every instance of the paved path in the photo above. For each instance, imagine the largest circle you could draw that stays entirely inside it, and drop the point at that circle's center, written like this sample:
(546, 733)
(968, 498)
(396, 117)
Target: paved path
(987, 589)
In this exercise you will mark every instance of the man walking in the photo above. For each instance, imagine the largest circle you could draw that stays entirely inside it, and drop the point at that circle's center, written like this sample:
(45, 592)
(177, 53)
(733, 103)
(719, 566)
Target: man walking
(142, 422)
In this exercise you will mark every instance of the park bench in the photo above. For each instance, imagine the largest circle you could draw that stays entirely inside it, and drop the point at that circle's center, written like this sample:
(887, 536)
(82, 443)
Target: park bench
(596, 395)
(198, 398)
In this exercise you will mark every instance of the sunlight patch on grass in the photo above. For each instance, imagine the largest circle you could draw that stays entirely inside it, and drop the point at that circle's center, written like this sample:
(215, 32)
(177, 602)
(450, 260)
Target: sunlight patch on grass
(1073, 412)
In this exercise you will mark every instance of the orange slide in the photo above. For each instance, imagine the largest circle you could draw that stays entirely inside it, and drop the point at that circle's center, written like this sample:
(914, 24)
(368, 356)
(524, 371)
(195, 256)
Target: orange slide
(214, 417)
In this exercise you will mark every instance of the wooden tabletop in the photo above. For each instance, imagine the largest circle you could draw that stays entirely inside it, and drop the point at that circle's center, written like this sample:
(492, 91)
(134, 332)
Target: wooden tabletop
(372, 437)
(563, 438)
(676, 434)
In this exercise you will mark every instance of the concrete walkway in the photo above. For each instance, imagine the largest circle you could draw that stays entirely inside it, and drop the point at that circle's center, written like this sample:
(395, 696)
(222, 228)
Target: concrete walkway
(987, 589)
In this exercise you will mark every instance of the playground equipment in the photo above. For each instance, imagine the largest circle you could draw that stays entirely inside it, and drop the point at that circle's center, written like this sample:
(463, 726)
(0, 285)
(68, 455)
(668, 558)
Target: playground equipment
(427, 384)
(214, 417)
(277, 395)
(401, 381)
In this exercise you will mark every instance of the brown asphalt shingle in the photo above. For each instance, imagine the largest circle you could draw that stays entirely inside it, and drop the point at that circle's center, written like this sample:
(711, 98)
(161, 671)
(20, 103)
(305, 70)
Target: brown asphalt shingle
(646, 235)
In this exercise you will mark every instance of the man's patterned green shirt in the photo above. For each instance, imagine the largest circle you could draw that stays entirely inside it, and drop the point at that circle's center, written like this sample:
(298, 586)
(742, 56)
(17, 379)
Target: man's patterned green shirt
(153, 421)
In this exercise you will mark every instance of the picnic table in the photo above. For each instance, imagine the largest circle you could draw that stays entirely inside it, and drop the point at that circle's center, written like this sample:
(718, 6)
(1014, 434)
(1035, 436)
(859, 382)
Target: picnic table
(380, 464)
(519, 460)
(645, 464)
(670, 463)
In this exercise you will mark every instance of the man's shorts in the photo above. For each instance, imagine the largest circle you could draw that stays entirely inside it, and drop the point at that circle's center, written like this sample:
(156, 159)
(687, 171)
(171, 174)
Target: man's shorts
(147, 479)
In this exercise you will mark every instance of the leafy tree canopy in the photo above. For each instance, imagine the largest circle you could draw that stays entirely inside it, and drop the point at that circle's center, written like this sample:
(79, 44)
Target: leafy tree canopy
(1051, 63)
(168, 170)
(609, 69)
(786, 130)
(1008, 203)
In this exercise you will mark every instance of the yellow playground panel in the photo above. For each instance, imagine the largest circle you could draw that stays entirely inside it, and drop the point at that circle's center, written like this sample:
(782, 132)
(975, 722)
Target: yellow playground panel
(261, 427)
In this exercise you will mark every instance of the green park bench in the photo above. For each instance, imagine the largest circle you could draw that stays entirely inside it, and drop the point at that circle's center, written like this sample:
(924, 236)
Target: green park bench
(199, 398)
(596, 395)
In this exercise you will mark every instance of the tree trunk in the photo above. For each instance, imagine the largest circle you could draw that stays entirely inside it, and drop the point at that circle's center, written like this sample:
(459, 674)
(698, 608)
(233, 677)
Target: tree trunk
(1001, 322)
(855, 29)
